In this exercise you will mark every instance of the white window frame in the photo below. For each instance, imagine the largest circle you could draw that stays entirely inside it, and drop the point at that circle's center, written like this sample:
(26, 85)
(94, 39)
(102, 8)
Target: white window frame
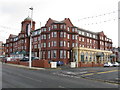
(64, 43)
(54, 53)
(73, 44)
(73, 30)
(64, 55)
(54, 34)
(61, 54)
(68, 44)
(61, 34)
(68, 28)
(48, 54)
(73, 37)
(48, 28)
(64, 34)
(48, 44)
(68, 36)
(61, 43)
(55, 43)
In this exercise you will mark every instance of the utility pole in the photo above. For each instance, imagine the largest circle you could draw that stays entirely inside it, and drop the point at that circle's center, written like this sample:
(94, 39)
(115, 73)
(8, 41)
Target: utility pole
(30, 51)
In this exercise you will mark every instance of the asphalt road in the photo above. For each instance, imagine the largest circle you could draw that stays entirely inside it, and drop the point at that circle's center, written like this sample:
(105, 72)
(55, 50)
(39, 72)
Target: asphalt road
(15, 77)
(104, 74)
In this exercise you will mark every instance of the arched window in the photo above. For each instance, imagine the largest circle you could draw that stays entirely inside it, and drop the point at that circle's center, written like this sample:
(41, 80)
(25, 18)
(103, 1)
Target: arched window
(90, 57)
(94, 57)
(82, 57)
(86, 57)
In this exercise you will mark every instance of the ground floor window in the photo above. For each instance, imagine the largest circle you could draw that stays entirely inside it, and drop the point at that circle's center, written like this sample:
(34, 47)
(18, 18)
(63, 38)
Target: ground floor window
(48, 54)
(64, 54)
(43, 54)
(54, 53)
(61, 53)
(68, 54)
(82, 58)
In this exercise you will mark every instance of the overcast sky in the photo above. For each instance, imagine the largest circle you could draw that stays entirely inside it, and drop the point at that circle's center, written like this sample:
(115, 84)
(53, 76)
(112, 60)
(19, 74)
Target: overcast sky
(93, 15)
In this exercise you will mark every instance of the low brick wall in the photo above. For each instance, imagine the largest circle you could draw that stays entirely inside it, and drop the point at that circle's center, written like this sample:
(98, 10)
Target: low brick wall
(24, 63)
(90, 64)
(45, 64)
(41, 63)
(35, 63)
(13, 62)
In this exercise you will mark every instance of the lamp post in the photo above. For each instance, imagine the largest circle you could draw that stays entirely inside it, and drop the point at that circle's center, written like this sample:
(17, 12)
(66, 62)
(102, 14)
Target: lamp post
(40, 45)
(30, 38)
(77, 49)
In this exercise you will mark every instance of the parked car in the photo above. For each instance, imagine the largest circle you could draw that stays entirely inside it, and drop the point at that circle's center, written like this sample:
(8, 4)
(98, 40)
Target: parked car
(34, 58)
(108, 64)
(60, 63)
(116, 64)
(8, 58)
(27, 58)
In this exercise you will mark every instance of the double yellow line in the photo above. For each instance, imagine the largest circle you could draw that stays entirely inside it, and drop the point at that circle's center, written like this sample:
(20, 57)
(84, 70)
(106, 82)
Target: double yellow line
(100, 72)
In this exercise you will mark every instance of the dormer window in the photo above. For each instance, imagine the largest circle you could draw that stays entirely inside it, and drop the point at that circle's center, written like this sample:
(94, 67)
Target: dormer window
(82, 33)
(93, 36)
(68, 28)
(61, 26)
(44, 29)
(90, 35)
(48, 28)
(73, 29)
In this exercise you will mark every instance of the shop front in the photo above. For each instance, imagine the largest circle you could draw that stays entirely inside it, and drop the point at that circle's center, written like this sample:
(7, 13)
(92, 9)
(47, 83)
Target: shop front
(91, 57)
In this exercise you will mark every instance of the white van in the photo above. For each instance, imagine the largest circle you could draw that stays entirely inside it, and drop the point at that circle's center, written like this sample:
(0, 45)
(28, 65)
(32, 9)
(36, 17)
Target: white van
(8, 58)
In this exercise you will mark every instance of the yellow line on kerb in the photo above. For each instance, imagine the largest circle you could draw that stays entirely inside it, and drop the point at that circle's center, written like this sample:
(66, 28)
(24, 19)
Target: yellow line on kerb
(99, 72)
(108, 71)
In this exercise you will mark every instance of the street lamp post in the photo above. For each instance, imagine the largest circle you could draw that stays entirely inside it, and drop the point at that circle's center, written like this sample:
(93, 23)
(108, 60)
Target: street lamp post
(77, 49)
(40, 45)
(30, 39)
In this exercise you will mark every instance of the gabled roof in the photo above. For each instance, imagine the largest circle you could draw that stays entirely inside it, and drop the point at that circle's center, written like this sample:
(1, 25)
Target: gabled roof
(12, 36)
(65, 21)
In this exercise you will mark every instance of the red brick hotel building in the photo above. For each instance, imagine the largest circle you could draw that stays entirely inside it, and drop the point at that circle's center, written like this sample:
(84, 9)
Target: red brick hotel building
(56, 41)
